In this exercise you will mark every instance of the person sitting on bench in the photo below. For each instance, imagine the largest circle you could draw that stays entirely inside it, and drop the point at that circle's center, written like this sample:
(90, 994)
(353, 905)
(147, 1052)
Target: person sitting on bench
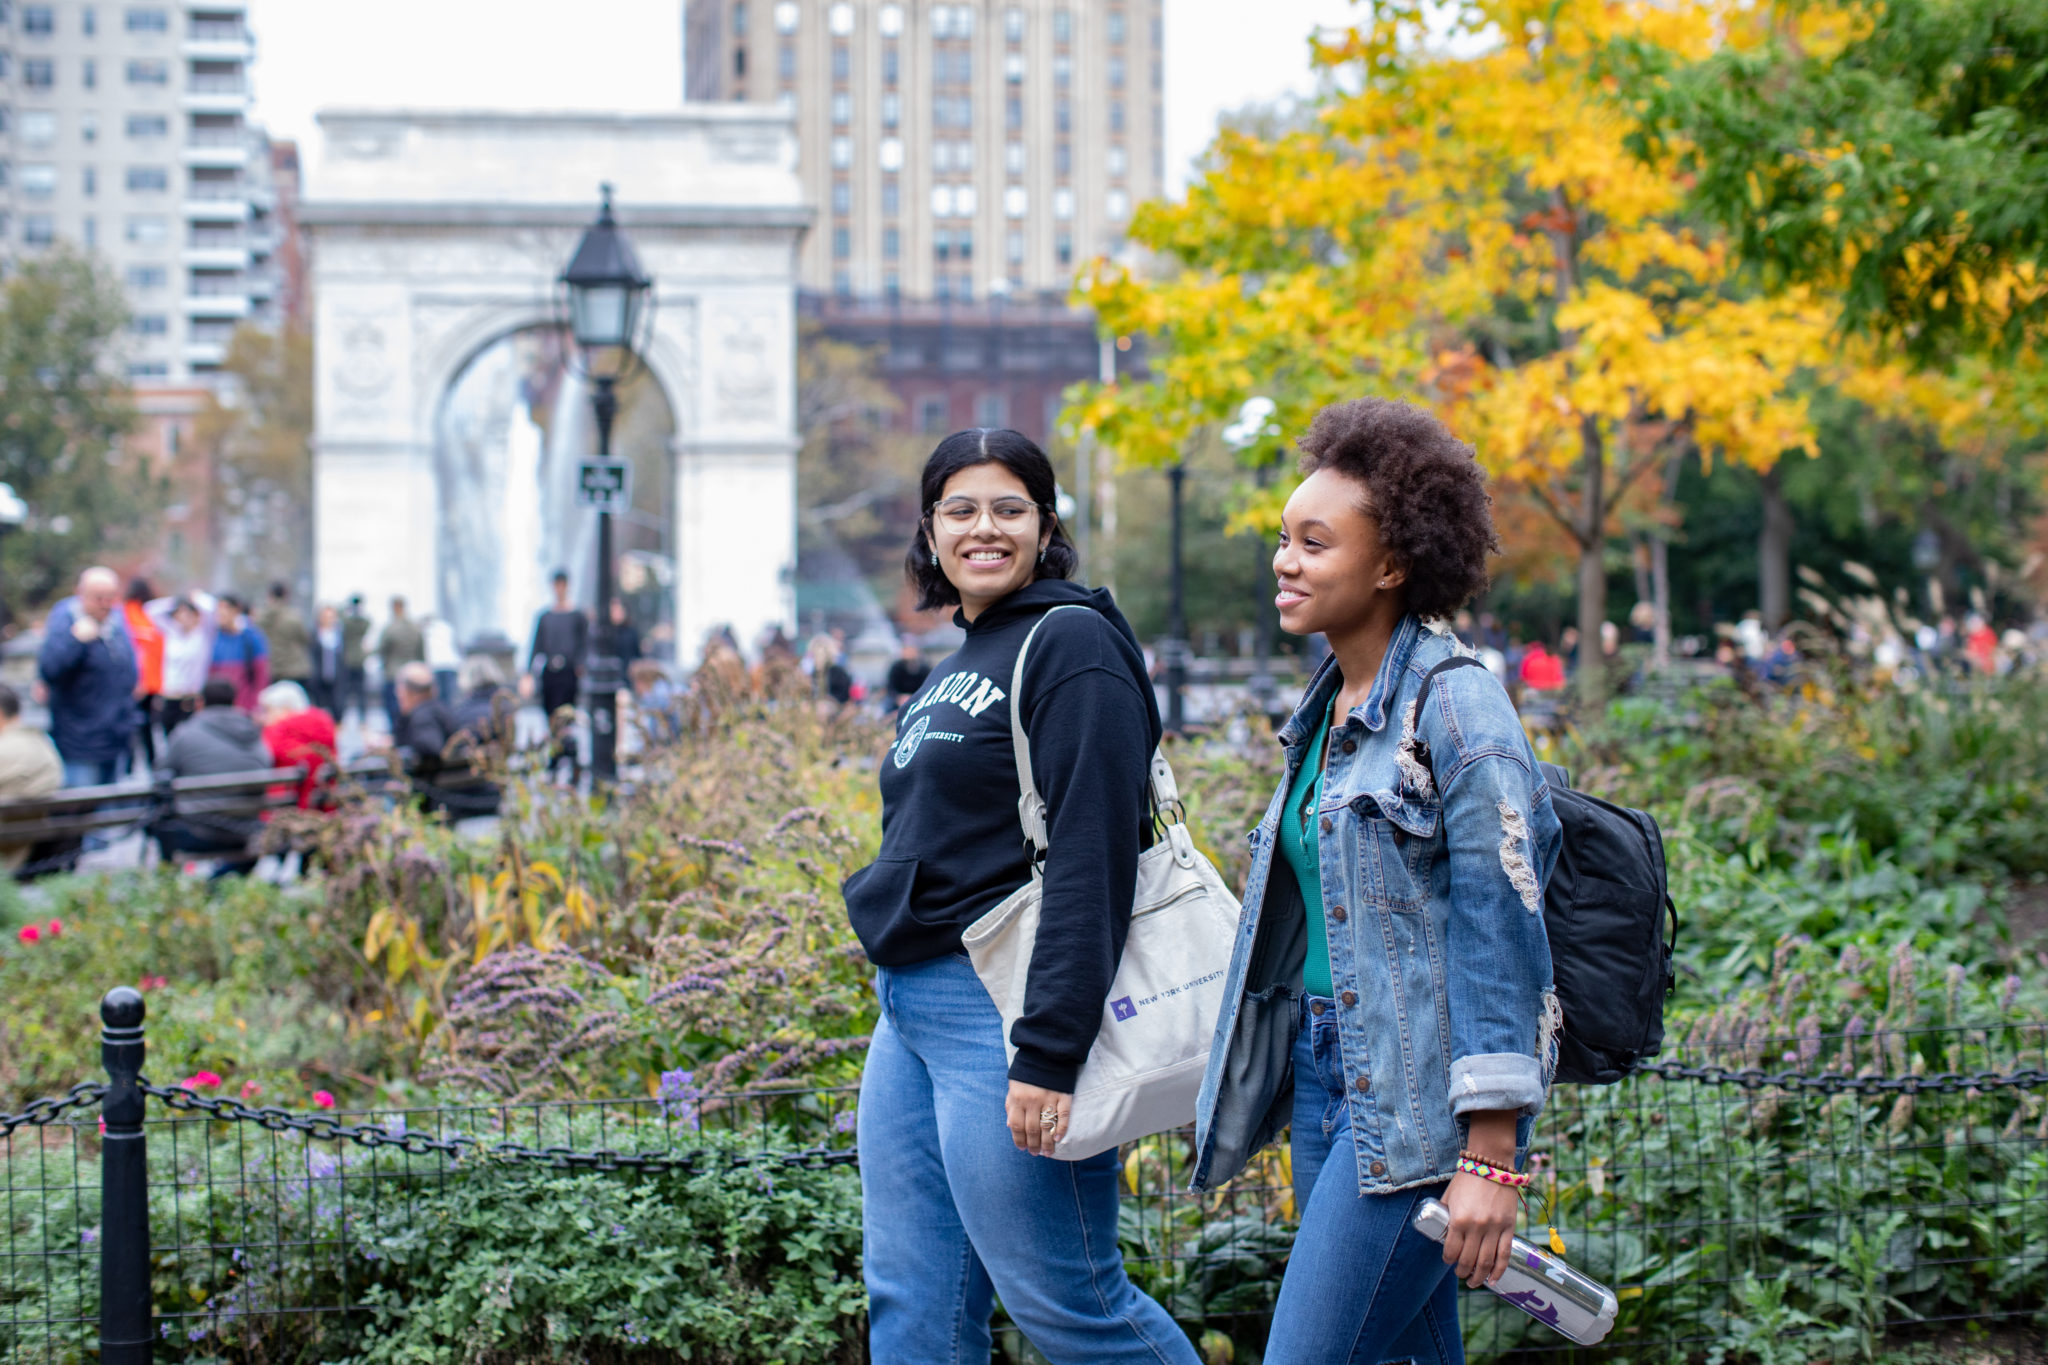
(221, 739)
(438, 742)
(29, 767)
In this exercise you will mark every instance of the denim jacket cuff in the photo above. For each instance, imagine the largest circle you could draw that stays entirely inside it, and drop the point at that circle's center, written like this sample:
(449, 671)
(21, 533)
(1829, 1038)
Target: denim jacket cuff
(1496, 1080)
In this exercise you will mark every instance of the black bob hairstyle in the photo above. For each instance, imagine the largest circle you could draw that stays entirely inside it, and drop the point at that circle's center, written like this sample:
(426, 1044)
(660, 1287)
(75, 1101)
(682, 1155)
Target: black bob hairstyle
(1014, 451)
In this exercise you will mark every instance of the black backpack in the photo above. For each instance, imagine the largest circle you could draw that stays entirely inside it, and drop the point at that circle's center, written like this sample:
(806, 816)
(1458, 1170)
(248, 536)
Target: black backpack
(1604, 911)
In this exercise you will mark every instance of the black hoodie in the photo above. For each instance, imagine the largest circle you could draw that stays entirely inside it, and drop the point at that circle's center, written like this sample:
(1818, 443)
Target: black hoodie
(952, 844)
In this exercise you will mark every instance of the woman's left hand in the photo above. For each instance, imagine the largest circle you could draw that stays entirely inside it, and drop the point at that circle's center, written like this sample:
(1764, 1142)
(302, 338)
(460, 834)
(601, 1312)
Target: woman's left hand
(1482, 1228)
(1028, 1105)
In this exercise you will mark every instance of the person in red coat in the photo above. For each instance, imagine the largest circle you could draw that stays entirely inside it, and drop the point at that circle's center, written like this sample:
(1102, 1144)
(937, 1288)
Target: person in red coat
(297, 733)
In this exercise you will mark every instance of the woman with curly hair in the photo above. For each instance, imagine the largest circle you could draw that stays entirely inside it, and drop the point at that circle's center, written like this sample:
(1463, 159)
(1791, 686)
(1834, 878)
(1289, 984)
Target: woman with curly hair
(1390, 997)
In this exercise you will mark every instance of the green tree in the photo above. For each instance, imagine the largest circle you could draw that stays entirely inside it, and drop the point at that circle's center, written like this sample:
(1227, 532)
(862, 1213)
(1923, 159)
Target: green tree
(64, 418)
(1891, 152)
(259, 434)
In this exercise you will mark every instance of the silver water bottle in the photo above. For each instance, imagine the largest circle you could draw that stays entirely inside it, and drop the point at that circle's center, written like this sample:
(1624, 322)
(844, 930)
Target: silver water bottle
(1539, 1284)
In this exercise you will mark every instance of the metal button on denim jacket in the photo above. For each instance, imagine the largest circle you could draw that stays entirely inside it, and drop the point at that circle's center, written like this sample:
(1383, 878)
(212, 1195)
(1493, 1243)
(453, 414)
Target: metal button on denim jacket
(1436, 839)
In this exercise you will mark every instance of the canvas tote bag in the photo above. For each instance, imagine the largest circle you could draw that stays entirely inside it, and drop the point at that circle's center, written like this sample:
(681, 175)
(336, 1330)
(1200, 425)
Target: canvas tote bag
(1144, 1072)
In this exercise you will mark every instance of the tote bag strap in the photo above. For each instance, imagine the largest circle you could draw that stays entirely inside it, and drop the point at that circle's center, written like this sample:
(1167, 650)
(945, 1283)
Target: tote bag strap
(1030, 805)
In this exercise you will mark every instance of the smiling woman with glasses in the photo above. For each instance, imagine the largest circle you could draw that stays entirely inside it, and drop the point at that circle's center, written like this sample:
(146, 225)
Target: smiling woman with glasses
(960, 1202)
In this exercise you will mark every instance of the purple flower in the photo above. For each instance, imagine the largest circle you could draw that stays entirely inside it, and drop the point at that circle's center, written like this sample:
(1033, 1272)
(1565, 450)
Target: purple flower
(678, 1096)
(848, 1120)
(2011, 993)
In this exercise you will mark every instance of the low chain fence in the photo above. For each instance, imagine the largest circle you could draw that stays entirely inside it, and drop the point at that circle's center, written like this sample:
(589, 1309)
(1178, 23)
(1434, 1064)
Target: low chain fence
(1853, 1186)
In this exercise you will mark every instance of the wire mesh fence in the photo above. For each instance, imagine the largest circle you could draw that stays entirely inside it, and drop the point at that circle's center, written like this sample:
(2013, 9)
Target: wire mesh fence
(1851, 1186)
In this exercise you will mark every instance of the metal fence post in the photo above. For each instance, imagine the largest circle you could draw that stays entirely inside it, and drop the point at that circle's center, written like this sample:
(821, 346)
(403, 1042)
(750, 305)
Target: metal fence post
(124, 1186)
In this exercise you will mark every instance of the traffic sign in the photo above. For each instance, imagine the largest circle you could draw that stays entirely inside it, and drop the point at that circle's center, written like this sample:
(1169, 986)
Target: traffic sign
(605, 484)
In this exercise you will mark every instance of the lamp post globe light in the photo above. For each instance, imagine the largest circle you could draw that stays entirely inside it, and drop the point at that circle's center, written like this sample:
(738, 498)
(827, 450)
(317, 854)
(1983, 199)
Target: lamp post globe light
(605, 298)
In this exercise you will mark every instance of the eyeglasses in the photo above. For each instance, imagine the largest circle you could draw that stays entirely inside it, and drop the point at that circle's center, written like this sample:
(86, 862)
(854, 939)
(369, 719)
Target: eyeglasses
(961, 515)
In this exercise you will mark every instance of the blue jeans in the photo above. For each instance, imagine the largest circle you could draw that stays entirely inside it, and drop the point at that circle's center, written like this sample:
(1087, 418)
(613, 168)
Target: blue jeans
(97, 773)
(1363, 1286)
(954, 1214)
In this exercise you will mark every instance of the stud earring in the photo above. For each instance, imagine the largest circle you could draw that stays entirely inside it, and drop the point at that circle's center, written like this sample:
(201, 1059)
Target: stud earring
(1041, 556)
(1383, 582)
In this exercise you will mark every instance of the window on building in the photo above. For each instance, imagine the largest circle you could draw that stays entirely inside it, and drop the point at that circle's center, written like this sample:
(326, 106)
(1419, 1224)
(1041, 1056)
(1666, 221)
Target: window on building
(89, 21)
(889, 20)
(1116, 26)
(1158, 31)
(1013, 68)
(942, 156)
(143, 278)
(892, 243)
(942, 202)
(38, 73)
(892, 110)
(1116, 159)
(942, 290)
(1063, 203)
(150, 369)
(942, 22)
(88, 128)
(6, 65)
(1117, 206)
(149, 325)
(842, 244)
(739, 16)
(839, 19)
(1063, 159)
(1013, 247)
(1016, 202)
(942, 244)
(931, 414)
(892, 284)
(149, 230)
(892, 198)
(1116, 116)
(89, 180)
(842, 63)
(1116, 73)
(149, 71)
(89, 74)
(6, 173)
(1013, 24)
(963, 243)
(963, 201)
(1063, 114)
(963, 156)
(785, 62)
(38, 180)
(842, 283)
(148, 179)
(1063, 249)
(786, 12)
(1013, 158)
(842, 153)
(148, 125)
(1063, 25)
(739, 61)
(1013, 113)
(148, 19)
(990, 410)
(39, 21)
(842, 109)
(1062, 72)
(38, 128)
(963, 288)
(842, 198)
(89, 230)
(889, 154)
(889, 65)
(38, 229)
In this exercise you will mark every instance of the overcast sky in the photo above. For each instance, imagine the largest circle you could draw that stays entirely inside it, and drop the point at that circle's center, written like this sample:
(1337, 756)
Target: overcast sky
(627, 54)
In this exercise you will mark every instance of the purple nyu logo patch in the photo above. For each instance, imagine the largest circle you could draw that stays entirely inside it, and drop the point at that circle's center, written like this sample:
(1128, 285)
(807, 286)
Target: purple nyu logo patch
(1123, 1008)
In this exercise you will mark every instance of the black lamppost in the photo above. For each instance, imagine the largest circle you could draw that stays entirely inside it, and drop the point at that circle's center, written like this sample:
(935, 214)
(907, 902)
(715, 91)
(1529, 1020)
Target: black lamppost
(607, 291)
(1176, 614)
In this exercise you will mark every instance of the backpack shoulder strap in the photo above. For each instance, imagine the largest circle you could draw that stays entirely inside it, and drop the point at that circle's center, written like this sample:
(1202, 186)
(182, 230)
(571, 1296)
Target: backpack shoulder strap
(1030, 805)
(1422, 753)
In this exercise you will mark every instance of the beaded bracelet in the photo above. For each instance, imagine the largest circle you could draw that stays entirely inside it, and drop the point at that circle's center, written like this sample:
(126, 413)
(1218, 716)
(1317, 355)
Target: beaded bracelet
(1486, 1170)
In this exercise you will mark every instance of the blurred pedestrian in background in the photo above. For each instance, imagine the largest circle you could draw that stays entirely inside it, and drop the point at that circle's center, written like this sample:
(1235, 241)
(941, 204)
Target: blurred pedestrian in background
(561, 638)
(291, 643)
(297, 734)
(241, 656)
(148, 639)
(355, 658)
(187, 626)
(906, 674)
(329, 677)
(87, 664)
(221, 739)
(625, 635)
(29, 767)
(398, 644)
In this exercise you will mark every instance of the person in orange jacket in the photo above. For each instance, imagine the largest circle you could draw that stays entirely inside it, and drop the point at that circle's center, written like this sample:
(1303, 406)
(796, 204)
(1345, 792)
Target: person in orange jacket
(148, 640)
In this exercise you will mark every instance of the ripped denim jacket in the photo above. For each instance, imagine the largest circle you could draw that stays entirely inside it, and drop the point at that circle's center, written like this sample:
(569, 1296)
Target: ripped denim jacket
(1433, 875)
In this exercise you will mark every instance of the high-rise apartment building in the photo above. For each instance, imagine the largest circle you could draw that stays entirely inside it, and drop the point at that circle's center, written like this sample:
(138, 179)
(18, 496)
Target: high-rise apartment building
(124, 130)
(955, 151)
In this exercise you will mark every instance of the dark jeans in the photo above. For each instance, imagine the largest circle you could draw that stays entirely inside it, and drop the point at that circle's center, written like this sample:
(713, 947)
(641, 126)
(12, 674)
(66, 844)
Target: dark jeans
(558, 688)
(175, 836)
(171, 712)
(145, 712)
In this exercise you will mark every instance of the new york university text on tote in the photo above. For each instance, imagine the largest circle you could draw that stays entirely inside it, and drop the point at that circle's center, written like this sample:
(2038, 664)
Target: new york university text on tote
(1853, 1185)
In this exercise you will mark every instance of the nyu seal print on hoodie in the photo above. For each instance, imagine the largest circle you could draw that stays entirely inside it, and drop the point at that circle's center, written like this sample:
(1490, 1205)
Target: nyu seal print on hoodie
(952, 846)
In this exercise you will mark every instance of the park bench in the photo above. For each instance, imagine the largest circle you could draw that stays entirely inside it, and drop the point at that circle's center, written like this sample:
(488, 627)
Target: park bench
(55, 827)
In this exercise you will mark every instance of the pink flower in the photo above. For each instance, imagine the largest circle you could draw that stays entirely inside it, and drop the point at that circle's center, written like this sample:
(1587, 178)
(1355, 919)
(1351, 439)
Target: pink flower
(250, 1090)
(322, 1100)
(151, 982)
(29, 933)
(199, 1080)
(55, 929)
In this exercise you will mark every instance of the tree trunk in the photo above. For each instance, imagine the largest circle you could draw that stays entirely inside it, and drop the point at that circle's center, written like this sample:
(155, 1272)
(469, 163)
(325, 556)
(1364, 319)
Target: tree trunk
(1774, 555)
(1592, 538)
(1660, 570)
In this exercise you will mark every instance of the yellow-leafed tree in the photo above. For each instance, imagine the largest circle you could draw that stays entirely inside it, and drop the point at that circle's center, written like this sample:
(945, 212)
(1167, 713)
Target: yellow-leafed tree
(1471, 228)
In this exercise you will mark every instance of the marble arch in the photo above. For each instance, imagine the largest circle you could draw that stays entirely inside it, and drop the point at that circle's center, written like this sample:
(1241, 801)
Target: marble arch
(432, 235)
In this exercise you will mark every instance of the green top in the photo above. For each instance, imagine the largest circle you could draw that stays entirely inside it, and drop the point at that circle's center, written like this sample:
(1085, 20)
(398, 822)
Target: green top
(1302, 849)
